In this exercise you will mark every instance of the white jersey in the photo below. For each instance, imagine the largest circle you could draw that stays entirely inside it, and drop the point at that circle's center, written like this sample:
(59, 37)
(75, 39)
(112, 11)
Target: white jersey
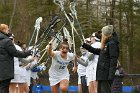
(19, 72)
(30, 73)
(92, 65)
(58, 70)
(96, 45)
(82, 69)
(34, 74)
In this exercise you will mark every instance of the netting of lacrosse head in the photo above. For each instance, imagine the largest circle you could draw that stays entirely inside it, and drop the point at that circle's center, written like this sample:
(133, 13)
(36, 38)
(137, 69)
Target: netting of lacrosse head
(68, 37)
(60, 3)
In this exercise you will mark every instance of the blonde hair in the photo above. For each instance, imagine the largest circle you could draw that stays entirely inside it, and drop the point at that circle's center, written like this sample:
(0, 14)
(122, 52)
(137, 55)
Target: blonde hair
(103, 40)
(2, 27)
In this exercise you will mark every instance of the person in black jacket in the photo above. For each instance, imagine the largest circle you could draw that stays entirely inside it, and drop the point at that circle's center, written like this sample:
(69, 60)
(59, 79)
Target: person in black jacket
(7, 54)
(107, 62)
(118, 80)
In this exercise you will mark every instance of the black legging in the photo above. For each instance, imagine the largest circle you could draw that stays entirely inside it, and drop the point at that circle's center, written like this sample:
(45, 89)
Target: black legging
(31, 85)
(104, 86)
(4, 86)
(84, 84)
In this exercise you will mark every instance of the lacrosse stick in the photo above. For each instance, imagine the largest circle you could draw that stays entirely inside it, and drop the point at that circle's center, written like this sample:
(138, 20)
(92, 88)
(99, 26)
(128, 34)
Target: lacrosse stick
(46, 33)
(74, 12)
(37, 28)
(61, 5)
(65, 22)
(55, 43)
(56, 36)
(67, 35)
(36, 38)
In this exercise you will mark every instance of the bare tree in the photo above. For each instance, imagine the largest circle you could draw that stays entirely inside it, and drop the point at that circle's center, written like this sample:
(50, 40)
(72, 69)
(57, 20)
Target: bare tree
(13, 13)
(112, 12)
(3, 2)
(130, 34)
(120, 29)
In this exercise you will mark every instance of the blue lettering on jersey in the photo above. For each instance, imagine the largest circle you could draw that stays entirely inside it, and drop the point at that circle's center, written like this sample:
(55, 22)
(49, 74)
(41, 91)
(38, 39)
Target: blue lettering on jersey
(62, 63)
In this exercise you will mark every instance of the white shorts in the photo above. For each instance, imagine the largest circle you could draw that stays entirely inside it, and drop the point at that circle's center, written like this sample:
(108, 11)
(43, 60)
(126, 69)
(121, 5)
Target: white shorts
(91, 73)
(54, 81)
(90, 78)
(79, 79)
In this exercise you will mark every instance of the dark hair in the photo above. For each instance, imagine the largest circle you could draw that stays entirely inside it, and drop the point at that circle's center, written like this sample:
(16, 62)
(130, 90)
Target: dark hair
(11, 34)
(20, 43)
(65, 42)
(98, 34)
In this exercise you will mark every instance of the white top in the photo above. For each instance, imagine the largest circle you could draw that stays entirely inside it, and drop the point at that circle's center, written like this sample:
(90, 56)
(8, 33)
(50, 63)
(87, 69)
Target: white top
(58, 70)
(30, 73)
(96, 45)
(19, 72)
(82, 69)
(34, 74)
(95, 59)
(92, 65)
